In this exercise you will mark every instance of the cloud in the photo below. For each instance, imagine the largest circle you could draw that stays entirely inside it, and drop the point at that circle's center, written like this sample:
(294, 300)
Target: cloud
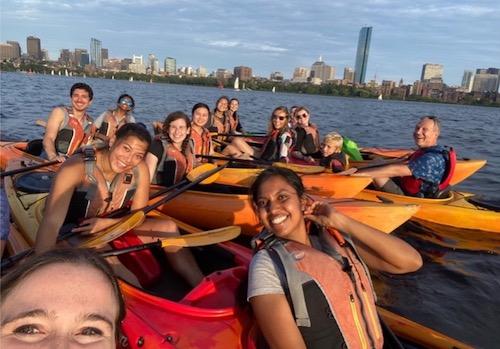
(261, 47)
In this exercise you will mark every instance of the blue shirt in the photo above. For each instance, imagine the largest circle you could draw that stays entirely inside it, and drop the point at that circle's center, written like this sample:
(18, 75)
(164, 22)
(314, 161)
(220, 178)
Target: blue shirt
(430, 167)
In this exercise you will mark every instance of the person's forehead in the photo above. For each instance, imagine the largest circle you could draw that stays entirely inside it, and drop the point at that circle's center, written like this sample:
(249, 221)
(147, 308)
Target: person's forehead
(80, 91)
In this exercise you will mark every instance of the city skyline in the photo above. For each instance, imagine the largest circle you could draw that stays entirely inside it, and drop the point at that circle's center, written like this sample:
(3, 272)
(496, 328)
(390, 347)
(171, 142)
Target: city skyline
(270, 36)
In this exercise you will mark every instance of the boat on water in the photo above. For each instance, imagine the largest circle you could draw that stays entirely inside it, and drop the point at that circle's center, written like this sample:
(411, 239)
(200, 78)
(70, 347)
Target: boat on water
(52, 72)
(131, 79)
(380, 97)
(66, 72)
(274, 89)
(237, 84)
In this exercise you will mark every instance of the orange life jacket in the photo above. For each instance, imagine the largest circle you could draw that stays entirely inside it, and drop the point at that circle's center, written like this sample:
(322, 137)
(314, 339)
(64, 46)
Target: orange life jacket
(413, 186)
(110, 124)
(72, 134)
(173, 165)
(201, 143)
(339, 289)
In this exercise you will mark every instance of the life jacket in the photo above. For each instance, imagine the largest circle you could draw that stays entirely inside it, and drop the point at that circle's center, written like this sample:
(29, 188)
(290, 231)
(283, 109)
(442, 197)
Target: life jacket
(272, 147)
(337, 162)
(328, 288)
(413, 186)
(110, 124)
(307, 139)
(233, 121)
(94, 196)
(173, 165)
(72, 134)
(201, 143)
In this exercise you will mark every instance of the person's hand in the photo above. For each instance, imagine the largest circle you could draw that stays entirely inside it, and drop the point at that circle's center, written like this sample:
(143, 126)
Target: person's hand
(59, 158)
(93, 225)
(284, 159)
(319, 212)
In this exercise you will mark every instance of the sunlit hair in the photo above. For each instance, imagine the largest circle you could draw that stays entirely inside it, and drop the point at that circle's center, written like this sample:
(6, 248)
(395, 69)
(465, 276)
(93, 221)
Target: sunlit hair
(74, 256)
(81, 86)
(334, 138)
(288, 175)
(435, 120)
(135, 130)
(283, 109)
(176, 115)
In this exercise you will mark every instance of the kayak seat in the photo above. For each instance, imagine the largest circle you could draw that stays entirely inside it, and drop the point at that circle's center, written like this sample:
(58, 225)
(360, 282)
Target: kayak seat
(142, 263)
(34, 147)
(220, 289)
(35, 182)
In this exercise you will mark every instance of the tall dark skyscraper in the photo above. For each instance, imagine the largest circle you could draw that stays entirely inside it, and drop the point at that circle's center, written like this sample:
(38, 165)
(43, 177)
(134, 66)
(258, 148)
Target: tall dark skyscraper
(365, 36)
(33, 48)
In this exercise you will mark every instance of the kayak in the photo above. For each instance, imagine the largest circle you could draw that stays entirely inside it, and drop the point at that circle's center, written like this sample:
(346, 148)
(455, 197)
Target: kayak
(464, 168)
(456, 210)
(324, 184)
(215, 314)
(210, 210)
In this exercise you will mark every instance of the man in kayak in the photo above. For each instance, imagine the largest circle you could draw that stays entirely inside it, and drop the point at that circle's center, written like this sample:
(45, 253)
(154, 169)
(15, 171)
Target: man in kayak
(69, 127)
(423, 174)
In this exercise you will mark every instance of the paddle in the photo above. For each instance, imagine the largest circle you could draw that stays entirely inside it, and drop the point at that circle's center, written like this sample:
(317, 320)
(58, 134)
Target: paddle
(40, 122)
(28, 168)
(136, 218)
(304, 169)
(401, 160)
(191, 240)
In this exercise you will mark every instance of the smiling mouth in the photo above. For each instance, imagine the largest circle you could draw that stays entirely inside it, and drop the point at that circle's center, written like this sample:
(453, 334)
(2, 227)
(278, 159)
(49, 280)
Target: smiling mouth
(278, 219)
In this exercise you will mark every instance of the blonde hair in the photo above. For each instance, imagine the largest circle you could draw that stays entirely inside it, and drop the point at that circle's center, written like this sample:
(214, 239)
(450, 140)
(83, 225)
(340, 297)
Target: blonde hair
(334, 138)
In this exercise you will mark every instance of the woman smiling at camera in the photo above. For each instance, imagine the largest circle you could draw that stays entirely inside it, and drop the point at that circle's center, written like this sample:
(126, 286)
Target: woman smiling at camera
(308, 284)
(65, 298)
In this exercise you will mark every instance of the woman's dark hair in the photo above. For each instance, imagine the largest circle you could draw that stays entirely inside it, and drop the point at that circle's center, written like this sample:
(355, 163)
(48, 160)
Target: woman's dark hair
(234, 99)
(82, 86)
(288, 175)
(126, 96)
(198, 106)
(176, 115)
(76, 256)
(133, 129)
(283, 109)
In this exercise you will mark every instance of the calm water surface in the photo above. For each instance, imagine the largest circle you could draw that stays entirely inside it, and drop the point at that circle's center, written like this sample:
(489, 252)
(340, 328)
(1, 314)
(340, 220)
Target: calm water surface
(455, 292)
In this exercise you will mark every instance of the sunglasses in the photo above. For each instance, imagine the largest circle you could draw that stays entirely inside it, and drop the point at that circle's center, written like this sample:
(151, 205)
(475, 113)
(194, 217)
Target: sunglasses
(279, 117)
(127, 102)
(302, 116)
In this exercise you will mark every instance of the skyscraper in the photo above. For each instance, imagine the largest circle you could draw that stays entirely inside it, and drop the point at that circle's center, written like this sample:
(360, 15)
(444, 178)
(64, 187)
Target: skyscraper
(322, 71)
(365, 36)
(243, 73)
(348, 74)
(34, 48)
(170, 66)
(16, 48)
(467, 80)
(431, 71)
(95, 52)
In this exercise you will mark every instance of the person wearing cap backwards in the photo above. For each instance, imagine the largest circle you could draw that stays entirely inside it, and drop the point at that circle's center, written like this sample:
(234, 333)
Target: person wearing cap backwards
(69, 127)
(111, 120)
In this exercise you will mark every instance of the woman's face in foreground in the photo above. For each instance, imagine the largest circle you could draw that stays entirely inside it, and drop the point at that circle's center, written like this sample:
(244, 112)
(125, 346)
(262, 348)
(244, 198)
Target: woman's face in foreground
(60, 306)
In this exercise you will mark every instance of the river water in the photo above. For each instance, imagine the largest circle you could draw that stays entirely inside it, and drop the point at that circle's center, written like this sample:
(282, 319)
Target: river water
(456, 291)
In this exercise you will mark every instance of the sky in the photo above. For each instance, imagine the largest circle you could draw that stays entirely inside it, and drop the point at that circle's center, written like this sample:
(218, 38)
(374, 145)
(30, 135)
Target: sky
(269, 35)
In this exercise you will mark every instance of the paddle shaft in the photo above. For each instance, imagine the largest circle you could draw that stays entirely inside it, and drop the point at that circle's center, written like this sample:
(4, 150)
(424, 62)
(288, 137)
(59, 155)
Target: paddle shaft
(399, 160)
(249, 135)
(245, 161)
(26, 169)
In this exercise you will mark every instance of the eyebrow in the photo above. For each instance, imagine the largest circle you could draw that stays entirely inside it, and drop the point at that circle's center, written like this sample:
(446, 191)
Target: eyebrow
(26, 314)
(97, 317)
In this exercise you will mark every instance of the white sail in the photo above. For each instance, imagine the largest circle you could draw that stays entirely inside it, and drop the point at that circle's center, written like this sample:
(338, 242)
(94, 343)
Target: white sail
(66, 72)
(52, 72)
(274, 89)
(237, 84)
(380, 97)
(131, 78)
(59, 73)
(113, 77)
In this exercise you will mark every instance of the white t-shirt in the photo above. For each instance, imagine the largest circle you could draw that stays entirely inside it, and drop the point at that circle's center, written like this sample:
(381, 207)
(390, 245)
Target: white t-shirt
(262, 276)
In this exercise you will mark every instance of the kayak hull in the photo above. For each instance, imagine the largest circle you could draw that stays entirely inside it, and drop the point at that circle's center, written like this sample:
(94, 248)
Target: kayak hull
(454, 211)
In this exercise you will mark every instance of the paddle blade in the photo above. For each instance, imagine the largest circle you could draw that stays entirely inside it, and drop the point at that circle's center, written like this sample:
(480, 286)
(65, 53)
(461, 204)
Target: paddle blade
(204, 238)
(111, 233)
(200, 170)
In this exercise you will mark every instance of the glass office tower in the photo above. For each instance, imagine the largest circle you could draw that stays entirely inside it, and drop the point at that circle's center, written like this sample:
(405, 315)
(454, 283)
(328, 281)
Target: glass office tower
(365, 36)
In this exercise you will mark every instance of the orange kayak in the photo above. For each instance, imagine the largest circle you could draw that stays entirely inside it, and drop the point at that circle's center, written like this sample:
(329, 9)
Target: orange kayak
(211, 210)
(324, 184)
(455, 210)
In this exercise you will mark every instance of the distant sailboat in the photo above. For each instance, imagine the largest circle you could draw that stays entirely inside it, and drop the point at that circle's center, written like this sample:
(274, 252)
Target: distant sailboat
(380, 97)
(237, 84)
(244, 87)
(274, 89)
(66, 72)
(52, 72)
(113, 77)
(131, 79)
(151, 80)
(84, 75)
(59, 73)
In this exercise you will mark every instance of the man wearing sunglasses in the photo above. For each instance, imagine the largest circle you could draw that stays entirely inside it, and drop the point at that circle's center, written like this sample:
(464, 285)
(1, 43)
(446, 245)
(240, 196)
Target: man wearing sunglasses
(111, 120)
